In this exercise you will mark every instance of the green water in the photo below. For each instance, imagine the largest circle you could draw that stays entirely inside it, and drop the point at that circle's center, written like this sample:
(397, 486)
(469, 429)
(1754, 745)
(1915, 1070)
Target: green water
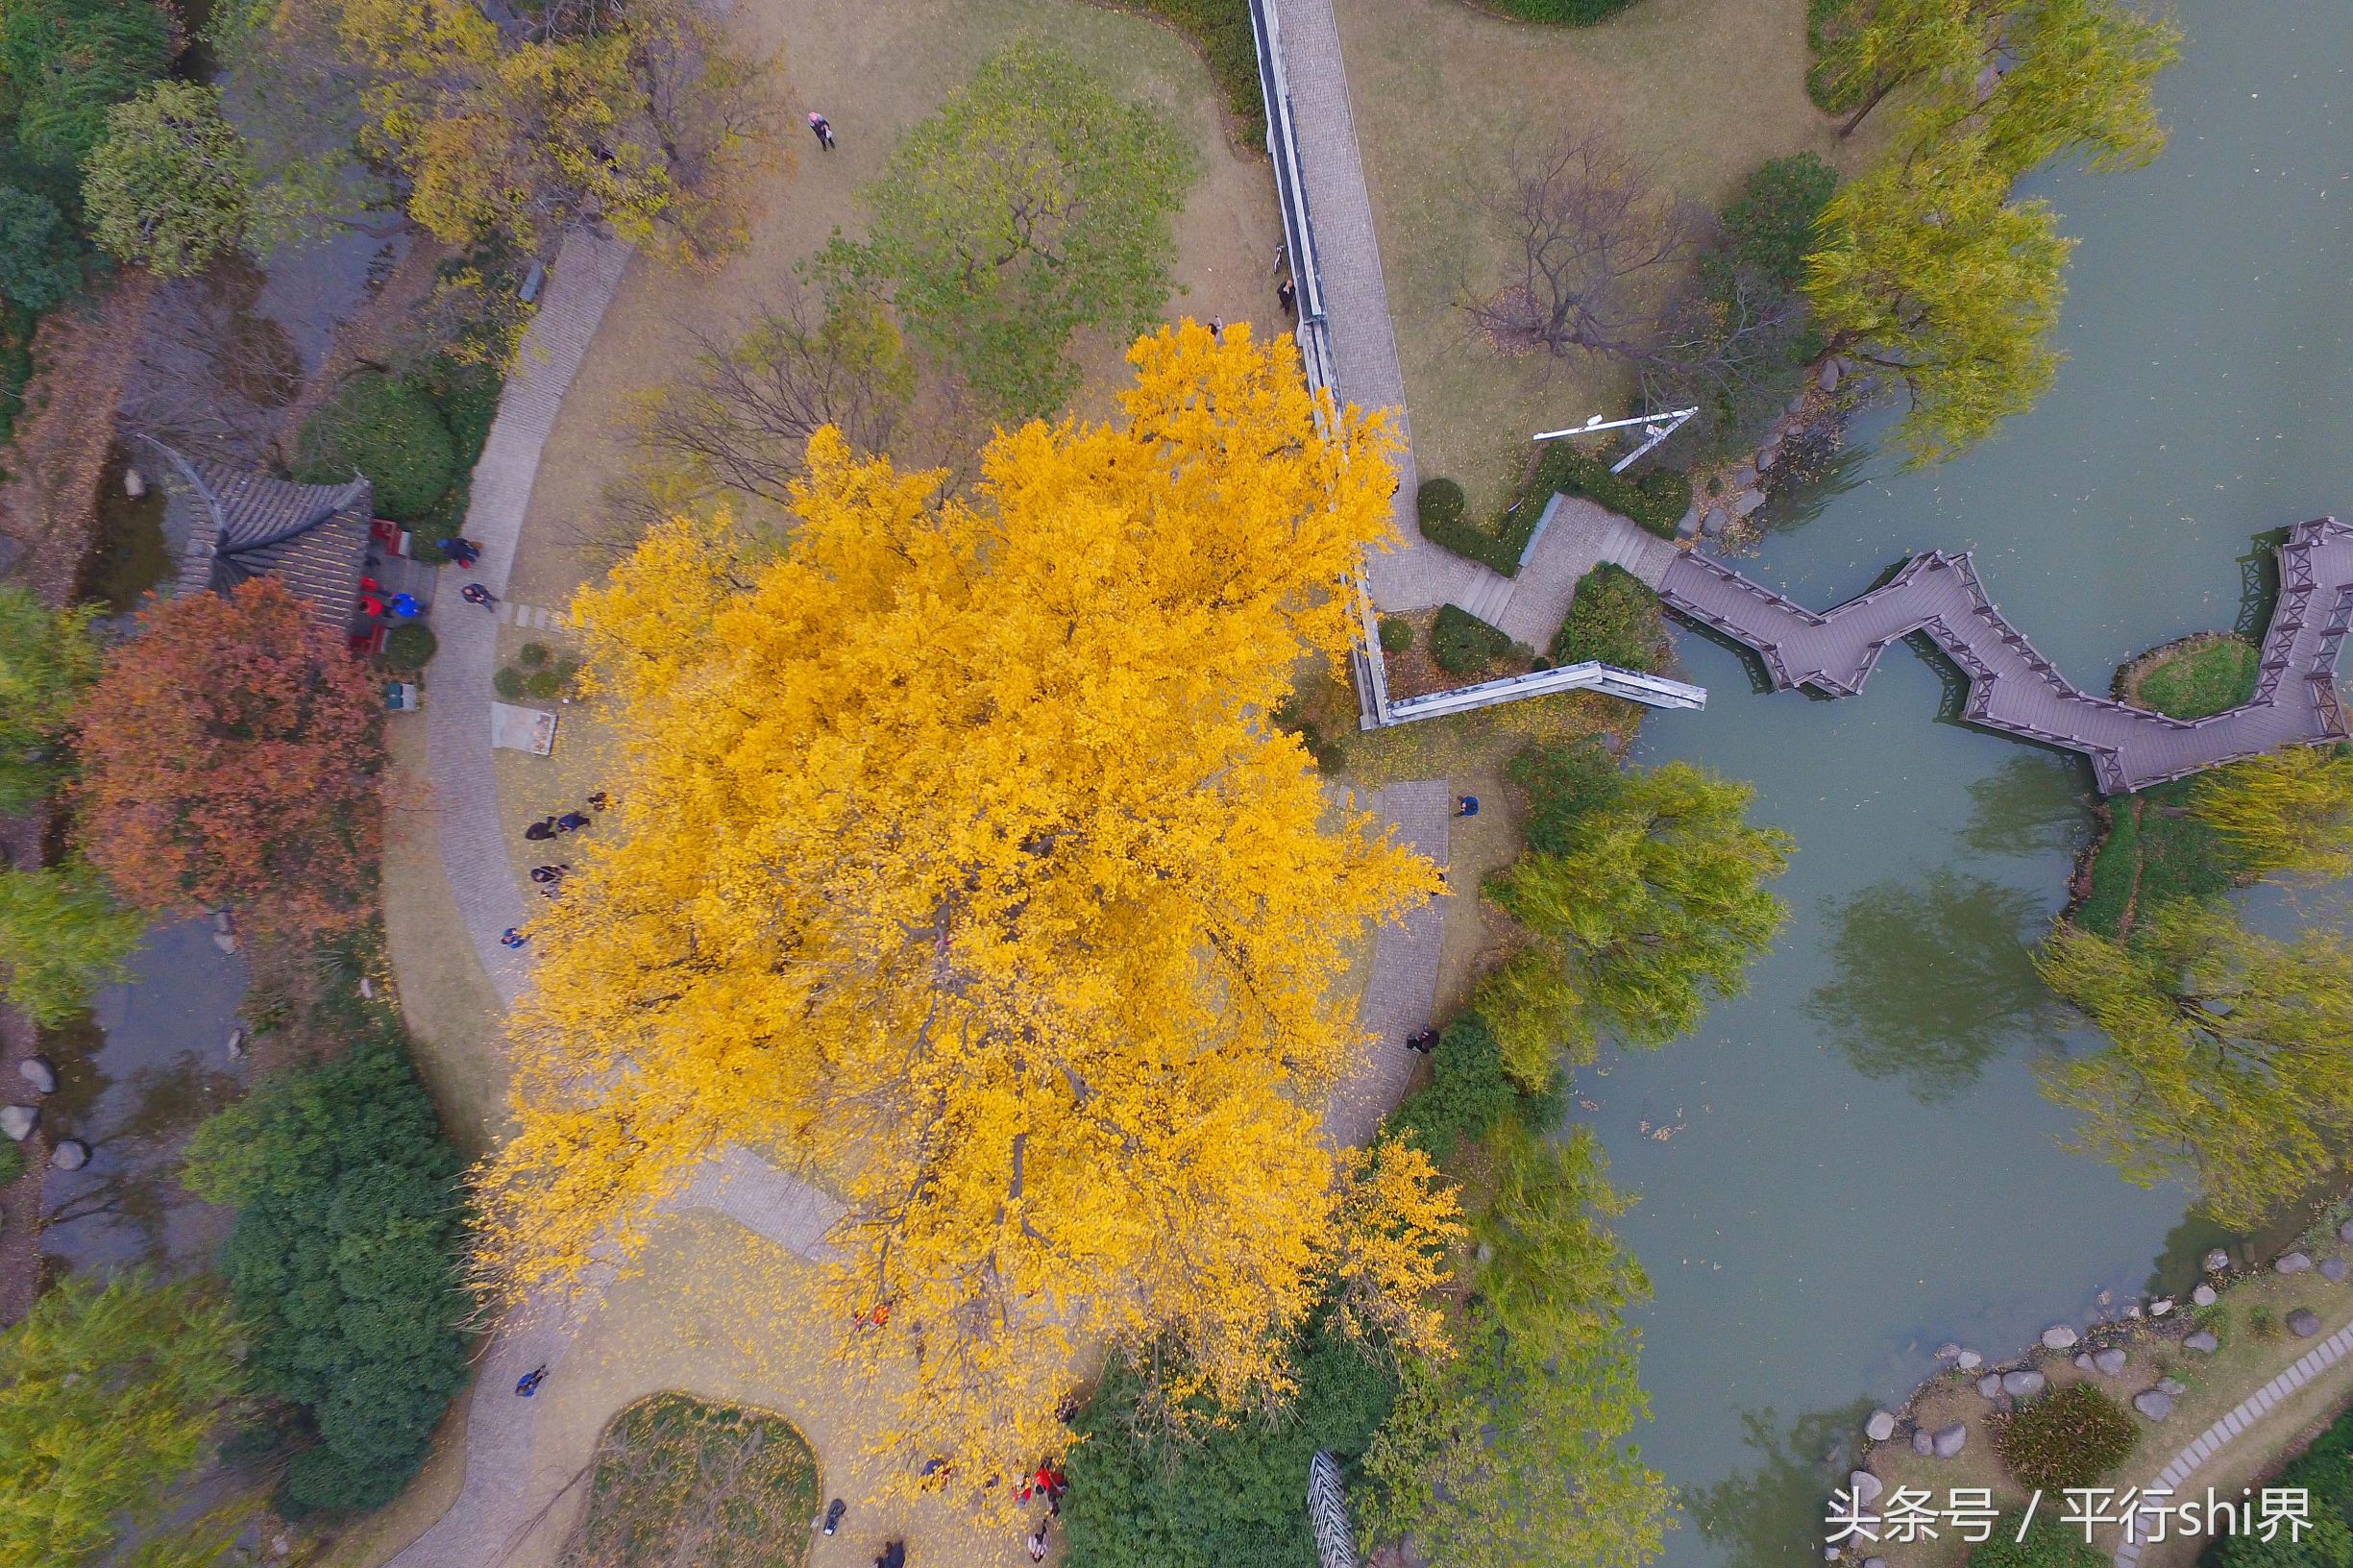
(1863, 1168)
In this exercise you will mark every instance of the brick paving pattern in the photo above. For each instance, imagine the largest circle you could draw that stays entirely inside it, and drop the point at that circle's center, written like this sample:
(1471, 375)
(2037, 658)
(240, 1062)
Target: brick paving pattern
(1404, 984)
(2224, 1433)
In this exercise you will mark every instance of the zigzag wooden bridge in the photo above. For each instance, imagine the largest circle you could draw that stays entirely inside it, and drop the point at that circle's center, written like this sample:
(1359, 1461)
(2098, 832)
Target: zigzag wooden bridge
(2013, 689)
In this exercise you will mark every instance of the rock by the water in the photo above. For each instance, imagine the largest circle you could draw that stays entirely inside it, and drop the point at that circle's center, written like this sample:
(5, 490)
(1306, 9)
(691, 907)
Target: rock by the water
(135, 484)
(1922, 1442)
(2344, 1231)
(2058, 1337)
(2020, 1384)
(2216, 1261)
(2153, 1403)
(2203, 1296)
(2303, 1323)
(2333, 1270)
(1689, 523)
(1796, 402)
(70, 1154)
(1875, 1562)
(18, 1120)
(1880, 1427)
(2293, 1262)
(1863, 1486)
(1948, 1441)
(1767, 456)
(39, 1072)
(2203, 1342)
(236, 1042)
(1829, 376)
(225, 941)
(2110, 1362)
(1946, 1351)
(2160, 1306)
(1969, 1361)
(1748, 501)
(1990, 1386)
(2083, 1360)
(1715, 522)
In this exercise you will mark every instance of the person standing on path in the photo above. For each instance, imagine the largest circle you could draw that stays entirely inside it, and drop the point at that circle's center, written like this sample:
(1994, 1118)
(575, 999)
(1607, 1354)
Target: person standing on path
(529, 1383)
(474, 593)
(1286, 295)
(821, 128)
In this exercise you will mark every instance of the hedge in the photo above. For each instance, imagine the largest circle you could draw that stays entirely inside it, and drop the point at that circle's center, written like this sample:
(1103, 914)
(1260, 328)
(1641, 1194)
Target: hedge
(2071, 1437)
(1461, 644)
(1396, 634)
(412, 646)
(1561, 13)
(1615, 618)
(388, 429)
(1657, 501)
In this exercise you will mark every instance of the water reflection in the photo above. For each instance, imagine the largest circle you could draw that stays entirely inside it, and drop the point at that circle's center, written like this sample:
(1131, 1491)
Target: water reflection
(1769, 1514)
(1932, 979)
(2032, 804)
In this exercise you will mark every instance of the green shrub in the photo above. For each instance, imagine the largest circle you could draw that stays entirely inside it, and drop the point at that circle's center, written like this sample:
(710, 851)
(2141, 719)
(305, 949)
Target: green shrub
(2068, 1437)
(40, 267)
(12, 1160)
(1233, 1498)
(1462, 645)
(1561, 13)
(1614, 618)
(741, 1482)
(543, 684)
(1468, 1093)
(2047, 1546)
(1769, 225)
(507, 683)
(1396, 634)
(388, 430)
(412, 646)
(1439, 503)
(345, 1262)
(1657, 501)
(531, 655)
(2325, 1473)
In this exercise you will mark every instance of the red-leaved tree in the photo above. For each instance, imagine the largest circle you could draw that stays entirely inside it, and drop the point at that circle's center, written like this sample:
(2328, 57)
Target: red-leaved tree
(231, 757)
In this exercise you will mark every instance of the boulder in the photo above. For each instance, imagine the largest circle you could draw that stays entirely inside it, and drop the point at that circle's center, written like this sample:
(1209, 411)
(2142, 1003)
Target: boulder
(2160, 1306)
(1767, 454)
(135, 484)
(1948, 1441)
(2083, 1360)
(1880, 1427)
(1969, 1361)
(1875, 1562)
(70, 1154)
(236, 1042)
(1715, 522)
(1946, 1351)
(2202, 1296)
(2202, 1342)
(1742, 477)
(1748, 501)
(40, 1072)
(225, 941)
(2058, 1337)
(1689, 523)
(2153, 1403)
(17, 1121)
(2022, 1384)
(1864, 1487)
(2216, 1261)
(2110, 1362)
(1796, 404)
(2303, 1323)
(1922, 1442)
(2333, 1270)
(2132, 1310)
(2293, 1262)
(1829, 379)
(1990, 1386)
(2344, 1231)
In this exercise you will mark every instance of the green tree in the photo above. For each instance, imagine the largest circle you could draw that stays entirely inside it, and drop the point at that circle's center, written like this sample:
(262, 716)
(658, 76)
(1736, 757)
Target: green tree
(2080, 82)
(48, 658)
(1927, 269)
(1640, 908)
(39, 265)
(171, 187)
(1881, 45)
(2290, 812)
(1515, 1450)
(1032, 204)
(344, 1261)
(63, 64)
(107, 1396)
(61, 938)
(1770, 226)
(2230, 1054)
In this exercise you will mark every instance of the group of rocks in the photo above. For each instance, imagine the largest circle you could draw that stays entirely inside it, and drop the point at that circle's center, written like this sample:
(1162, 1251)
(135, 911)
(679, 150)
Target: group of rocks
(1742, 490)
(18, 1121)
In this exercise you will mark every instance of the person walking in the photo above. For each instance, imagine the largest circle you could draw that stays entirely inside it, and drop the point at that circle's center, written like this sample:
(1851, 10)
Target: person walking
(1217, 331)
(572, 821)
(1422, 1040)
(464, 552)
(1286, 294)
(513, 938)
(539, 832)
(833, 1514)
(529, 1383)
(549, 874)
(474, 593)
(821, 128)
(1037, 1545)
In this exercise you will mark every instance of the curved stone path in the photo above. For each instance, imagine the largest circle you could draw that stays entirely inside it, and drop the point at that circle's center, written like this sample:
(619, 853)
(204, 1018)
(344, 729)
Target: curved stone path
(494, 1508)
(2220, 1435)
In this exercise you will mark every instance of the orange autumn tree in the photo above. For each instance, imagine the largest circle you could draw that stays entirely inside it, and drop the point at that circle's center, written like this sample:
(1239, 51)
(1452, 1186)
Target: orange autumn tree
(955, 863)
(231, 757)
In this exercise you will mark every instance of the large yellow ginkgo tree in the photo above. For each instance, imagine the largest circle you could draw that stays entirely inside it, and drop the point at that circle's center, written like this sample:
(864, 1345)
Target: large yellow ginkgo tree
(956, 864)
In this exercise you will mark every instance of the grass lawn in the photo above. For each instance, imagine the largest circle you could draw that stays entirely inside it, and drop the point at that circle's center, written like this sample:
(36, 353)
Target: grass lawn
(681, 1480)
(1443, 93)
(2194, 677)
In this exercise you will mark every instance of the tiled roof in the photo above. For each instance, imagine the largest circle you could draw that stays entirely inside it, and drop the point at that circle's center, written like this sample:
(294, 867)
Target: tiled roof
(311, 537)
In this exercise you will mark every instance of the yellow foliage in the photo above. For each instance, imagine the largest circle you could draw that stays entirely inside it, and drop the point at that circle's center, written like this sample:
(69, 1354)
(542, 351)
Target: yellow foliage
(1394, 1227)
(954, 862)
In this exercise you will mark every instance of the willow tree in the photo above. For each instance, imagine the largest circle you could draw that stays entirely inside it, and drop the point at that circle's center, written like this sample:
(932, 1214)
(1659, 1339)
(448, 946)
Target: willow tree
(953, 859)
(2290, 811)
(48, 658)
(2230, 1054)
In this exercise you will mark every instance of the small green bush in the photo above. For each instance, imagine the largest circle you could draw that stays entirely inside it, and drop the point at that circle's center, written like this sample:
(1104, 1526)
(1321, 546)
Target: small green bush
(1396, 634)
(412, 646)
(531, 655)
(1769, 225)
(1462, 645)
(2070, 1437)
(543, 684)
(508, 682)
(1615, 618)
(1468, 1093)
(1559, 13)
(1438, 502)
(2047, 1546)
(386, 429)
(12, 1160)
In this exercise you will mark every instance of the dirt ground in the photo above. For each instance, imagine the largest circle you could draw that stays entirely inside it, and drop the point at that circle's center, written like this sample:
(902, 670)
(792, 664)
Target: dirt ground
(1444, 94)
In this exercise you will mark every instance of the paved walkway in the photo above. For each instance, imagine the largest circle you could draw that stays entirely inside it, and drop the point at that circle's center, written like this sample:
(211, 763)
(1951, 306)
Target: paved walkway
(2013, 689)
(1403, 987)
(2224, 1433)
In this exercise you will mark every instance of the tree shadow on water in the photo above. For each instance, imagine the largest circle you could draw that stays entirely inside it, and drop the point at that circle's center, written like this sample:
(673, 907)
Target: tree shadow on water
(1934, 980)
(2035, 803)
(1770, 1516)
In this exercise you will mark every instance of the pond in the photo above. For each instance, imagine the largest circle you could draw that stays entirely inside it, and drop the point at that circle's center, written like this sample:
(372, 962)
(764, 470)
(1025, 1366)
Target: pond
(1850, 1163)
